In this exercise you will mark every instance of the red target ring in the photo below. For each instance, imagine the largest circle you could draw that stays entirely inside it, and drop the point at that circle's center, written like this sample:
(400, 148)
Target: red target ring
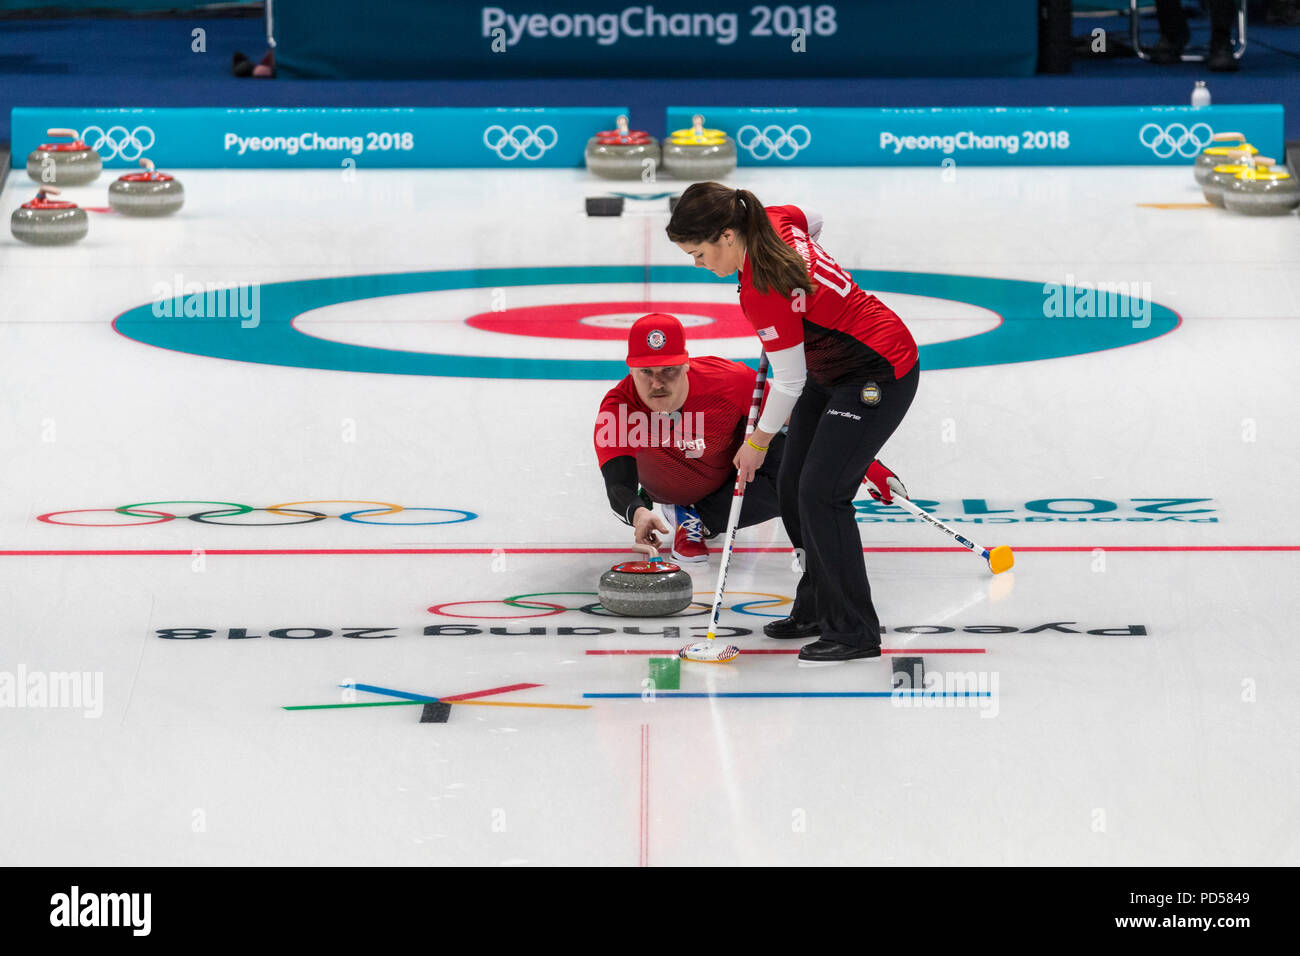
(610, 321)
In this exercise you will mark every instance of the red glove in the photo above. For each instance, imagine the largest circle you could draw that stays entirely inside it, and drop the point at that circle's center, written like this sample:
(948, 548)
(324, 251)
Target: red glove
(883, 483)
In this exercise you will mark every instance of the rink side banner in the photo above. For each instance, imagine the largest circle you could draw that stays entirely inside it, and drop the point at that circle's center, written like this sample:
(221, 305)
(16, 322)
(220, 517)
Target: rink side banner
(318, 138)
(528, 39)
(321, 138)
(984, 136)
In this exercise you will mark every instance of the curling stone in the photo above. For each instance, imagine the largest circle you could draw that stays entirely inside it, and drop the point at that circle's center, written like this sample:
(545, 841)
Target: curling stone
(1221, 177)
(49, 222)
(1225, 146)
(645, 588)
(698, 154)
(148, 193)
(64, 164)
(621, 153)
(1262, 192)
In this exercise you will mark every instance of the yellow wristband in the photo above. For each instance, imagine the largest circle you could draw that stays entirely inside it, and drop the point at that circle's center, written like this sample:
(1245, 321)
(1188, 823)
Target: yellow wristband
(755, 447)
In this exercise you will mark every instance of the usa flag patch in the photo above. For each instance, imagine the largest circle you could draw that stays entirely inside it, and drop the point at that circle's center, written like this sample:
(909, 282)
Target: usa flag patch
(767, 334)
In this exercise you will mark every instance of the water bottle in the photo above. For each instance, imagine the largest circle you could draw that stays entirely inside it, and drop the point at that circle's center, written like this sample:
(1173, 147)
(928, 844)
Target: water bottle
(1200, 95)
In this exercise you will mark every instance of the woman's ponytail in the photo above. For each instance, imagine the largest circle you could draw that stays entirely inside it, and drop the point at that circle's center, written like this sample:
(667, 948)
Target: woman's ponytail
(707, 210)
(775, 265)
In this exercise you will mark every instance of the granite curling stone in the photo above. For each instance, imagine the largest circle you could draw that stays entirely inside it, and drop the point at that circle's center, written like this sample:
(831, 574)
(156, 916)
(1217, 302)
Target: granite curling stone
(1262, 192)
(645, 589)
(64, 164)
(1222, 176)
(698, 154)
(1225, 145)
(149, 193)
(49, 222)
(622, 153)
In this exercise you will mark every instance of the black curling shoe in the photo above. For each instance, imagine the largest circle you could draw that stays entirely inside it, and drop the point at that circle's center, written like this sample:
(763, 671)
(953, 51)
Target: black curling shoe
(788, 628)
(829, 652)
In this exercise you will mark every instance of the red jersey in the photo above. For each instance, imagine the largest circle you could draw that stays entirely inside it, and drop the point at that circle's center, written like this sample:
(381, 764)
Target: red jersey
(682, 457)
(846, 333)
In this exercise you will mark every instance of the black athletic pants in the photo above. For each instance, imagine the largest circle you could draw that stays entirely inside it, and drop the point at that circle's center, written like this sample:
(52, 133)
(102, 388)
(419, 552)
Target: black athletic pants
(833, 437)
(760, 501)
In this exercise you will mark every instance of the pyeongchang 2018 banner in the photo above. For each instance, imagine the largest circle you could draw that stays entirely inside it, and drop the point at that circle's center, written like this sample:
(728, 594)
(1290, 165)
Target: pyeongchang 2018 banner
(664, 38)
(984, 136)
(321, 138)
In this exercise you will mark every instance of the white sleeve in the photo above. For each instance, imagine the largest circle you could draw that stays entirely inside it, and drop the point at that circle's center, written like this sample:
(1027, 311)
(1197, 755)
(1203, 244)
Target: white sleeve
(814, 225)
(787, 373)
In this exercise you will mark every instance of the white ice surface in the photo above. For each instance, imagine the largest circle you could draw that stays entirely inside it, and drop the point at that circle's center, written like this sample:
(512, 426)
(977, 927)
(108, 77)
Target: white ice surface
(1172, 748)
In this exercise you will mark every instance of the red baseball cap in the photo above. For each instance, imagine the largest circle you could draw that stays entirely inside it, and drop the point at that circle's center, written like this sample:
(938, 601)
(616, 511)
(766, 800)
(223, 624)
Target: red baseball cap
(656, 339)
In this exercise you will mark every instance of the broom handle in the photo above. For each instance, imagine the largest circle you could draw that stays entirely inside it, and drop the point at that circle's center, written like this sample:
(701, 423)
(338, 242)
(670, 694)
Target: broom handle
(737, 499)
(931, 520)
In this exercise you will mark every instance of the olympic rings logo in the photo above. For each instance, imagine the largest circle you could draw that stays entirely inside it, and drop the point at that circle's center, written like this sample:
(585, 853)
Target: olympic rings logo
(774, 141)
(1176, 138)
(117, 140)
(519, 141)
(551, 608)
(230, 509)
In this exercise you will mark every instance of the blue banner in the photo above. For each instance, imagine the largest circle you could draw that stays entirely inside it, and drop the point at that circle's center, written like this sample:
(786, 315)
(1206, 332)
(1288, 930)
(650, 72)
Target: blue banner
(319, 138)
(984, 136)
(61, 8)
(679, 38)
(323, 138)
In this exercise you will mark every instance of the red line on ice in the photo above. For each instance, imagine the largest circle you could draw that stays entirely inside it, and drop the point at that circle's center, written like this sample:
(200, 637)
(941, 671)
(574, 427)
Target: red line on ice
(489, 692)
(189, 552)
(665, 652)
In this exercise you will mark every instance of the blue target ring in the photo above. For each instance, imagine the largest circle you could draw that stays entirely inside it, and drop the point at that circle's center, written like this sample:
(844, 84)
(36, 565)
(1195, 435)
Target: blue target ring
(1027, 333)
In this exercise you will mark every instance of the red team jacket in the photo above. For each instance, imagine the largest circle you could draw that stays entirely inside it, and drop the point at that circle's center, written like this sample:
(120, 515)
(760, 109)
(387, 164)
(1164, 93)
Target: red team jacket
(847, 334)
(696, 457)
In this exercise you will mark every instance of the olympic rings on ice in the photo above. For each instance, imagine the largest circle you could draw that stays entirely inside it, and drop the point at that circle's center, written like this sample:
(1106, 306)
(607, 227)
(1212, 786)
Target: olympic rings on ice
(551, 608)
(229, 509)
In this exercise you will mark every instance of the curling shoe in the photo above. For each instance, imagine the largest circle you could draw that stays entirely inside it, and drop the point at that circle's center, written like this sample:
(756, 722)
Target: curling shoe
(788, 629)
(830, 652)
(689, 546)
